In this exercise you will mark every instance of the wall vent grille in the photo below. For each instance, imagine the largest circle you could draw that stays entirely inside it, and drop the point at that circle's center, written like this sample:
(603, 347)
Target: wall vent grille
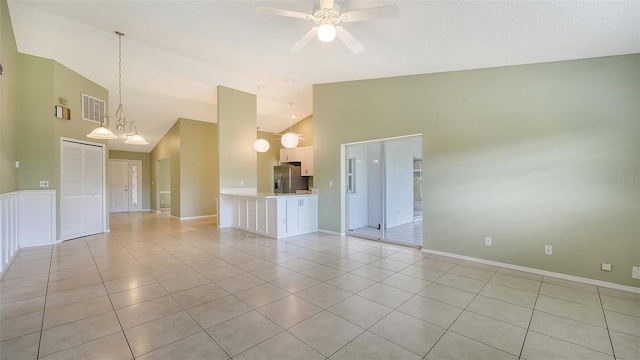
(93, 109)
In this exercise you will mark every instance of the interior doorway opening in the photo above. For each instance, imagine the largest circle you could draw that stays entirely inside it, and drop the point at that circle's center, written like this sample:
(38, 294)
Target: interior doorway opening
(164, 184)
(384, 190)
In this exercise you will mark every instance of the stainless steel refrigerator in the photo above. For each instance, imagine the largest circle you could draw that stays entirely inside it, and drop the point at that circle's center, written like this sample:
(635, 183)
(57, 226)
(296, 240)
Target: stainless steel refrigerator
(288, 178)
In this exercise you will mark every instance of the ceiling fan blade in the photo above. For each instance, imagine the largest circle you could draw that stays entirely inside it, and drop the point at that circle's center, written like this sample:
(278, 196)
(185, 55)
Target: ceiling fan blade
(282, 12)
(304, 39)
(354, 45)
(326, 4)
(382, 12)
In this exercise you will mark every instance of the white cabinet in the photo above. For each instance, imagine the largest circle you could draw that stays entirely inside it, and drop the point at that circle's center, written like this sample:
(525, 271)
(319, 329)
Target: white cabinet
(290, 155)
(307, 161)
(303, 155)
(273, 216)
(301, 215)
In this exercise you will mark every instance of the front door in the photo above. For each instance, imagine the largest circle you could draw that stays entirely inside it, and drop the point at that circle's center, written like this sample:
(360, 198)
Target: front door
(125, 185)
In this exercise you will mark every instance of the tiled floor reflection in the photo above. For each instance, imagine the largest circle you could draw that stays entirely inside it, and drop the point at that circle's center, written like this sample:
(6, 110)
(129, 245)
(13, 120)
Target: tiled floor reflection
(410, 233)
(158, 288)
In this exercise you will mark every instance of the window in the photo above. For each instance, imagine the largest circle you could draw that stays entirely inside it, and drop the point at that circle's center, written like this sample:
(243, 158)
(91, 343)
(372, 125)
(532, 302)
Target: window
(351, 175)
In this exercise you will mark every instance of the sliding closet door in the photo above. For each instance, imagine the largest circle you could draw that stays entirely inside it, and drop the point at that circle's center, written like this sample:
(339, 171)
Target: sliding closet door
(82, 190)
(384, 190)
(364, 190)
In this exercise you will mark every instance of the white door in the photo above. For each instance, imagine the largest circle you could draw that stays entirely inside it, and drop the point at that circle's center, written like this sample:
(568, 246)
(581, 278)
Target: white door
(118, 186)
(125, 185)
(82, 190)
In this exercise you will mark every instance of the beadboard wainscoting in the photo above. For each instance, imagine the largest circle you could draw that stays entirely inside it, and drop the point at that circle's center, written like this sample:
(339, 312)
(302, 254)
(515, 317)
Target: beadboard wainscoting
(27, 219)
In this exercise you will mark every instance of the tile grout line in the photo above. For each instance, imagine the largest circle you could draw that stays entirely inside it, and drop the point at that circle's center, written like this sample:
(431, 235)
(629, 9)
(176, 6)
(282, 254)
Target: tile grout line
(44, 306)
(533, 311)
(606, 324)
(111, 302)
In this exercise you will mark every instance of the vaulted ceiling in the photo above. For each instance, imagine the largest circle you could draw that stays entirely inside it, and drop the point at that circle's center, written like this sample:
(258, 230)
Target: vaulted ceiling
(176, 53)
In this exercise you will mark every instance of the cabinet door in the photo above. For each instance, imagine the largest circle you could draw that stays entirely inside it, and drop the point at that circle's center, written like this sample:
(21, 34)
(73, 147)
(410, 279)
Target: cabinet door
(290, 155)
(307, 161)
(293, 215)
(307, 214)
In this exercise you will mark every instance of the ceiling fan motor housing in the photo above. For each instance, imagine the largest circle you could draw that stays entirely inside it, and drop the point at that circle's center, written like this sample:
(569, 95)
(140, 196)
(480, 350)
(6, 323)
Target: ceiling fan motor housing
(321, 15)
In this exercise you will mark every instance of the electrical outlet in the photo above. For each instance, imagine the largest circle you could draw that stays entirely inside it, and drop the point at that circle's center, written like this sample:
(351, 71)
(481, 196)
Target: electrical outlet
(548, 250)
(635, 273)
(487, 241)
(241, 182)
(330, 183)
(44, 184)
(605, 267)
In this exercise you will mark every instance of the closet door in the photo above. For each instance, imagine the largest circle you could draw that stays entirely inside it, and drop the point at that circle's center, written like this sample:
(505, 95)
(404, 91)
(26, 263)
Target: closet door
(82, 191)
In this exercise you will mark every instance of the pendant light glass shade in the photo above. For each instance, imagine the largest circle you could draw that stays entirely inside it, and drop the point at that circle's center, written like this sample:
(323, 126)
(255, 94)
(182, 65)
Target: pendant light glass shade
(136, 140)
(103, 133)
(261, 145)
(289, 140)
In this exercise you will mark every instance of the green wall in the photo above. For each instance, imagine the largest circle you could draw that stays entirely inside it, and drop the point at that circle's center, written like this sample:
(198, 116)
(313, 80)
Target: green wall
(237, 113)
(8, 103)
(167, 148)
(146, 171)
(191, 148)
(42, 83)
(198, 168)
(529, 155)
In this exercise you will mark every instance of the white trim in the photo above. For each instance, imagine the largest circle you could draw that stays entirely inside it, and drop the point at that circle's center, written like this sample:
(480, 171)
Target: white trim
(195, 217)
(562, 276)
(331, 232)
(105, 211)
(239, 191)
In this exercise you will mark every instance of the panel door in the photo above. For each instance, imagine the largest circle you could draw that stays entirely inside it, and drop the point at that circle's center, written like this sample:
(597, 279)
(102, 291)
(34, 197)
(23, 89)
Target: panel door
(118, 186)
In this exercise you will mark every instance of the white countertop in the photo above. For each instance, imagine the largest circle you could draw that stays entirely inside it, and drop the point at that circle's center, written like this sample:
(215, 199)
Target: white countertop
(270, 195)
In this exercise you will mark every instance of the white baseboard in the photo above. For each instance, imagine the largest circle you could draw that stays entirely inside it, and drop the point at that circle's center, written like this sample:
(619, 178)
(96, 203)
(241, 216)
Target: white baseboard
(331, 232)
(194, 217)
(539, 272)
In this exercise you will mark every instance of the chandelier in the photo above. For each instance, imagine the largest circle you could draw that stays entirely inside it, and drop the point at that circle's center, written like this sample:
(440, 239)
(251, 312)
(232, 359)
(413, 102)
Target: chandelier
(119, 123)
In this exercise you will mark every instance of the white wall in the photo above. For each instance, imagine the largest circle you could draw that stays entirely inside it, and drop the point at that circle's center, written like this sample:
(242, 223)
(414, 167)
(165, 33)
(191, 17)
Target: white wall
(399, 155)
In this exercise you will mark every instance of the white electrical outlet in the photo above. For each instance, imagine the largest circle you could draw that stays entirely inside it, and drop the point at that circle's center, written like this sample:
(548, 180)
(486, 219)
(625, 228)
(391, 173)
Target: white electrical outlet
(241, 182)
(44, 184)
(487, 241)
(605, 267)
(635, 273)
(330, 183)
(548, 250)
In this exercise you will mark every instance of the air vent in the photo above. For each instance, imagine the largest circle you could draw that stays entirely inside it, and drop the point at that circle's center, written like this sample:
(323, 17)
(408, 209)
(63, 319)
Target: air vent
(93, 109)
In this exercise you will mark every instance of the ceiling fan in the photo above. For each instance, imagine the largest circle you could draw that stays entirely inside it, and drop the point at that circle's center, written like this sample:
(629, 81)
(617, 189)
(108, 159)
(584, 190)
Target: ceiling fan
(327, 15)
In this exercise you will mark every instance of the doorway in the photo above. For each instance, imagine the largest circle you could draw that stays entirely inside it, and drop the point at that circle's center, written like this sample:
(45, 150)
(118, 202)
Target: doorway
(384, 190)
(125, 185)
(164, 184)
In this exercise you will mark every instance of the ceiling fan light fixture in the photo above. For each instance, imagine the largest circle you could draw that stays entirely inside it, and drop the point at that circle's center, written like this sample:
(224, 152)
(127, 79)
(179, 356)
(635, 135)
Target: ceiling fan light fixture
(326, 31)
(289, 140)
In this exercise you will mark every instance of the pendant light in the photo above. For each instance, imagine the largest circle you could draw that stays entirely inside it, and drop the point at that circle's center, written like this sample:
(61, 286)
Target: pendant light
(261, 145)
(290, 139)
(120, 122)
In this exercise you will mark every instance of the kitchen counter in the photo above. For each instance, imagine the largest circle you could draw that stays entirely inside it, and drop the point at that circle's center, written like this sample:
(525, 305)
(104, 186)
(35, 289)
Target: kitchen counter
(269, 214)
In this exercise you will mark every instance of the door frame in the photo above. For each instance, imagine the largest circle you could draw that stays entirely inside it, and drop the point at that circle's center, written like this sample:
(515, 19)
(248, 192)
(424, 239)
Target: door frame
(105, 217)
(129, 192)
(383, 191)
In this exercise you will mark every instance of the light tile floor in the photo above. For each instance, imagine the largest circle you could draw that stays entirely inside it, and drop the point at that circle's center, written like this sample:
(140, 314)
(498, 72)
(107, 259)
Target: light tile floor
(410, 233)
(157, 288)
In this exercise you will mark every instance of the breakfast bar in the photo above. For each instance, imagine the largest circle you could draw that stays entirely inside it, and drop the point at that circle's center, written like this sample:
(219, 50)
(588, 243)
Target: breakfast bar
(273, 215)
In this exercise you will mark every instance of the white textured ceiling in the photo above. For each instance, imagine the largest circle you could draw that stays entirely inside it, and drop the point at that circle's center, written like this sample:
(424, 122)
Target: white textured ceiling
(175, 53)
